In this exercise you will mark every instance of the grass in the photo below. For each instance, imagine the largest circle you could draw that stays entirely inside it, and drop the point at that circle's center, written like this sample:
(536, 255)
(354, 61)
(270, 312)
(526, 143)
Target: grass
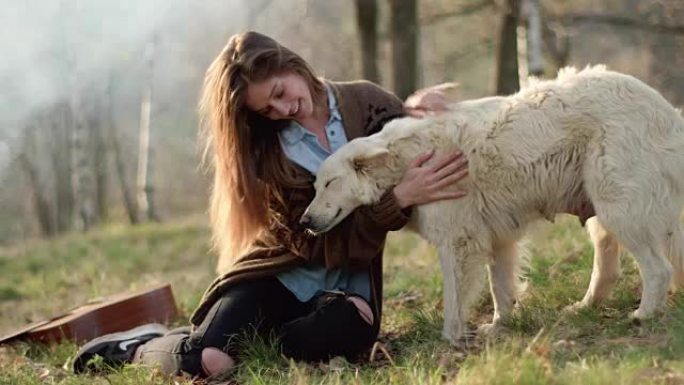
(542, 345)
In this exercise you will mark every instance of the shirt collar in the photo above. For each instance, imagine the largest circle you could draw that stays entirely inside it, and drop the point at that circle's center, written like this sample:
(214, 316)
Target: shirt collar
(294, 132)
(332, 103)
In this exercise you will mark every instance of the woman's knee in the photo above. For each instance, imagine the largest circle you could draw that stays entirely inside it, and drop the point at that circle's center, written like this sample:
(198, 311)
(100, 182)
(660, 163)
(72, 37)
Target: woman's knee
(215, 361)
(363, 308)
(342, 325)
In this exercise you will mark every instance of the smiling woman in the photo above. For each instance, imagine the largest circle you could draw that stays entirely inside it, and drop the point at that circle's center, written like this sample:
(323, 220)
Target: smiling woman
(287, 96)
(269, 123)
(283, 96)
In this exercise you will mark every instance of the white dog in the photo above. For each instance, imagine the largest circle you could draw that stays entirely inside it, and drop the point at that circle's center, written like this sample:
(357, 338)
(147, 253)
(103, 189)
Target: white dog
(593, 136)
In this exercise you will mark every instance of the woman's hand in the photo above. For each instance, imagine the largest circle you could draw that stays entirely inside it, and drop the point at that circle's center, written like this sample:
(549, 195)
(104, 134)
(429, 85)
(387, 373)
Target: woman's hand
(424, 184)
(431, 100)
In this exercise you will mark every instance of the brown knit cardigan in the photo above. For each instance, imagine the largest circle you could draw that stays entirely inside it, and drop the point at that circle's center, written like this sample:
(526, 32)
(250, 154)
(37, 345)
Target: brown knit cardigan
(355, 243)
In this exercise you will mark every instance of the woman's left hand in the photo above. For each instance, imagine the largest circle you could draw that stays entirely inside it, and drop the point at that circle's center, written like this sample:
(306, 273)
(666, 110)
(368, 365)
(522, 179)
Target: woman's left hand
(431, 100)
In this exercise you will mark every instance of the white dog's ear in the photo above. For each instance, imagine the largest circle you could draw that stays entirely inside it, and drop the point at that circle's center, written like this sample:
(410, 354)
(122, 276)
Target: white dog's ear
(451, 90)
(377, 157)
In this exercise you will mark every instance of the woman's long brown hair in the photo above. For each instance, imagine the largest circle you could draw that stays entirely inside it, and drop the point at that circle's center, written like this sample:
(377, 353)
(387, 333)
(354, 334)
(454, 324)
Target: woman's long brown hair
(242, 147)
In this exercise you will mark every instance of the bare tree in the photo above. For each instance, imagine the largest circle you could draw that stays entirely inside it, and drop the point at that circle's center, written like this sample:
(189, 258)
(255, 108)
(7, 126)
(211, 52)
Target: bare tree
(556, 42)
(507, 80)
(146, 207)
(61, 133)
(82, 176)
(81, 172)
(122, 175)
(404, 26)
(367, 20)
(622, 21)
(40, 192)
(467, 9)
(666, 49)
(533, 29)
(119, 159)
(100, 163)
(660, 20)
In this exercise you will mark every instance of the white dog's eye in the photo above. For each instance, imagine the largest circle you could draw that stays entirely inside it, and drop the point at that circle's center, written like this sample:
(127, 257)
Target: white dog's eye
(328, 182)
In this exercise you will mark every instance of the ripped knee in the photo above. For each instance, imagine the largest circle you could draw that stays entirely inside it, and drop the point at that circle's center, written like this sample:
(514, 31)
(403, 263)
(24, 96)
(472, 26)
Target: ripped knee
(363, 308)
(215, 361)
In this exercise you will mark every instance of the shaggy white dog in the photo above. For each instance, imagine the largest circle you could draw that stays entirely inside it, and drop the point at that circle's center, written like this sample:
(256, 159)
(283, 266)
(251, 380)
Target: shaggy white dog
(593, 136)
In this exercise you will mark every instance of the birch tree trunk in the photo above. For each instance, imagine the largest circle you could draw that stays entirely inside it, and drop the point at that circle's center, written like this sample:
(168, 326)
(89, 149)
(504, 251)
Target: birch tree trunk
(145, 194)
(101, 162)
(40, 200)
(557, 43)
(535, 60)
(367, 20)
(62, 168)
(119, 162)
(82, 177)
(129, 201)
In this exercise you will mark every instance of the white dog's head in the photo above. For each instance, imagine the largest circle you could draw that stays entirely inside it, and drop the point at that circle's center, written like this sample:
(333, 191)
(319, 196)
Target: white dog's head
(357, 174)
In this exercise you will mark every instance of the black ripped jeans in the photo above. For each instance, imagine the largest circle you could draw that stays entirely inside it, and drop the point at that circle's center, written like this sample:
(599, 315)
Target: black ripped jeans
(328, 325)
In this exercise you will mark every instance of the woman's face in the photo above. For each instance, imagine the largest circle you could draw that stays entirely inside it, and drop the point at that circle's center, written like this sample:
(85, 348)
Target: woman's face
(283, 96)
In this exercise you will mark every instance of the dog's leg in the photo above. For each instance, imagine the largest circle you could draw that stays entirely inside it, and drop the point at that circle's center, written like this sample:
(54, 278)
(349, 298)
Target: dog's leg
(606, 268)
(656, 273)
(504, 284)
(453, 301)
(463, 270)
(648, 247)
(675, 251)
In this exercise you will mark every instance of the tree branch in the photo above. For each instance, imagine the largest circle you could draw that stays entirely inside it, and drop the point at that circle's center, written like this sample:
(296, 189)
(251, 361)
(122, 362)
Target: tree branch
(464, 11)
(620, 21)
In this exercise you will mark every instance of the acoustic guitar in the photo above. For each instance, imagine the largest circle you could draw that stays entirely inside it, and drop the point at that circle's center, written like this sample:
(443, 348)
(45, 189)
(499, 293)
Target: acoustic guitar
(102, 316)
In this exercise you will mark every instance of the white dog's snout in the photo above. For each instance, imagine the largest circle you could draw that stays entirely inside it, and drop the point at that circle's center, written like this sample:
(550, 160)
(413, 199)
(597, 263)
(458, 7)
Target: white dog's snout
(305, 220)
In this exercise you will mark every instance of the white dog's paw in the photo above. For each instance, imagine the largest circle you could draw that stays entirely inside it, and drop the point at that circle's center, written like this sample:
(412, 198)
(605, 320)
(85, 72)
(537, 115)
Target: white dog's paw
(575, 307)
(453, 331)
(451, 337)
(638, 315)
(458, 337)
(464, 342)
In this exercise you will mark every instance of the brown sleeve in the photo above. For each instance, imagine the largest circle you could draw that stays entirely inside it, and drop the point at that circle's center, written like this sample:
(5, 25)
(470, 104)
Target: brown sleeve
(386, 213)
(358, 239)
(380, 105)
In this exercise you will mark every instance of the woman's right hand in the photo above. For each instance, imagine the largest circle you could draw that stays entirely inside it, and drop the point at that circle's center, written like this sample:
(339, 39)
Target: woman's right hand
(423, 184)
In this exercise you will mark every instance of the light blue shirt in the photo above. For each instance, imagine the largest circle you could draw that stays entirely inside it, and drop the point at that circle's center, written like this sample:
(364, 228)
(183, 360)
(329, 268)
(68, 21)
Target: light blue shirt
(302, 147)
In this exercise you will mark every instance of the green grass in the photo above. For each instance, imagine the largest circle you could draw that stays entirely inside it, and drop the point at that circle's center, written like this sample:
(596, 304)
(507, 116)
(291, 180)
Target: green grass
(542, 345)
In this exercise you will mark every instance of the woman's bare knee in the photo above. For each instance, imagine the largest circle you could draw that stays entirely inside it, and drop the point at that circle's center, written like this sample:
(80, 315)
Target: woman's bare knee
(215, 361)
(363, 307)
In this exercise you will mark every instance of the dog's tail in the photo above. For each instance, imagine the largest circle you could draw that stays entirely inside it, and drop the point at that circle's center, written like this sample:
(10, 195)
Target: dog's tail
(675, 252)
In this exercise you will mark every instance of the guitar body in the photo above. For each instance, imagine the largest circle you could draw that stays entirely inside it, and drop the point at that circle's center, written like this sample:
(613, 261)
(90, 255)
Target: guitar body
(113, 314)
